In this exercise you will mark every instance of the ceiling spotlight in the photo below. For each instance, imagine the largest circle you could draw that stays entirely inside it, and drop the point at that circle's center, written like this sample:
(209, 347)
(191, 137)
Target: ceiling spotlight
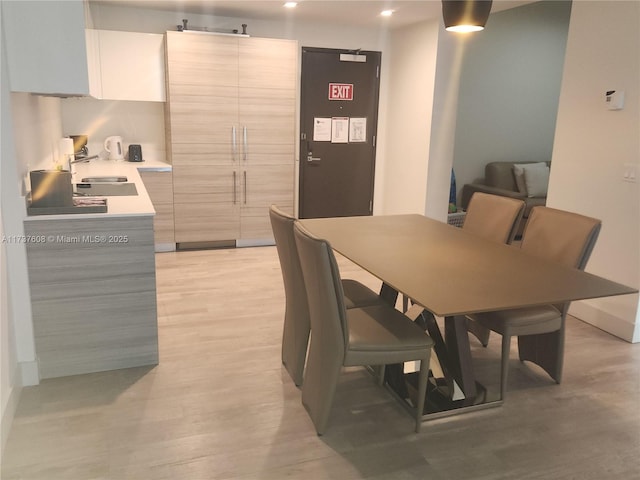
(290, 4)
(465, 15)
(386, 13)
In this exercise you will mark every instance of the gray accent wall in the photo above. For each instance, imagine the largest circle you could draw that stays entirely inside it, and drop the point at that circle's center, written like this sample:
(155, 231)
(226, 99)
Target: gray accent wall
(509, 88)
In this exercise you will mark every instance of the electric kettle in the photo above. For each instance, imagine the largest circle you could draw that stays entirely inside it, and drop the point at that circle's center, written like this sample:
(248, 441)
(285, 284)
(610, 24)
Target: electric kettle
(113, 146)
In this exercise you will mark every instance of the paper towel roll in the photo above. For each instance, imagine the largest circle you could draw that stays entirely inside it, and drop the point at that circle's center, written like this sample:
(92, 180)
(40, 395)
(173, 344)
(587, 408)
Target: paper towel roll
(66, 146)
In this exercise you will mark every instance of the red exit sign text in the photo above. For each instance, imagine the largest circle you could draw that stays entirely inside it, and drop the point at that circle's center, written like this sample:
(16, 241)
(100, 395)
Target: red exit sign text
(341, 91)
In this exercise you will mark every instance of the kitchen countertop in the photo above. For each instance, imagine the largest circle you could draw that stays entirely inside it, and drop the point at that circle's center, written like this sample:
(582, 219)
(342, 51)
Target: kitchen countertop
(117, 206)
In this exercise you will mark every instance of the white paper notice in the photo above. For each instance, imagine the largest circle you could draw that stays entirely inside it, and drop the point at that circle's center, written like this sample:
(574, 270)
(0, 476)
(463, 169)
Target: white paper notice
(340, 130)
(357, 129)
(321, 129)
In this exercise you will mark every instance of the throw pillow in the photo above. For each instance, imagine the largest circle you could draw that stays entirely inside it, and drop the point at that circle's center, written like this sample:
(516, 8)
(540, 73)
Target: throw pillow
(518, 175)
(536, 178)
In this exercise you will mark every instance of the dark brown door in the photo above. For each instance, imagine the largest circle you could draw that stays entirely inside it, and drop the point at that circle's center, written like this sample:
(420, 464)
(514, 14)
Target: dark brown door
(338, 122)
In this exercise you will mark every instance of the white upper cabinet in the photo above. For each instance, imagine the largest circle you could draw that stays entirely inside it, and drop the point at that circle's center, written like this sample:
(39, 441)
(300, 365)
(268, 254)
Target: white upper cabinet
(132, 66)
(50, 51)
(47, 49)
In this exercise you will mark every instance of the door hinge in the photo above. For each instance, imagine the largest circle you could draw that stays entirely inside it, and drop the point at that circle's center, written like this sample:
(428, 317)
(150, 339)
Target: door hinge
(374, 141)
(303, 136)
(371, 206)
(378, 71)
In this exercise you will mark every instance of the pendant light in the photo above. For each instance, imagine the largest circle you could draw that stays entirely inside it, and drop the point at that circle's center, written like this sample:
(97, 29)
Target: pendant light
(465, 15)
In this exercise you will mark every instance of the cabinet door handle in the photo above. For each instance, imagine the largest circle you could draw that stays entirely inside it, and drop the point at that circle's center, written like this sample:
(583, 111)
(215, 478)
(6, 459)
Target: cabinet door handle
(245, 187)
(245, 144)
(234, 188)
(234, 144)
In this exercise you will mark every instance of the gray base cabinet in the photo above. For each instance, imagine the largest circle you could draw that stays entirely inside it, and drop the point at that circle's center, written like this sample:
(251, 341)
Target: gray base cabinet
(93, 293)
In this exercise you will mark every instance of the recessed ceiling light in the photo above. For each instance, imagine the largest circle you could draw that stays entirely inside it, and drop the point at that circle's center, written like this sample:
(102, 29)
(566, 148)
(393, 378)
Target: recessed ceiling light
(386, 13)
(290, 4)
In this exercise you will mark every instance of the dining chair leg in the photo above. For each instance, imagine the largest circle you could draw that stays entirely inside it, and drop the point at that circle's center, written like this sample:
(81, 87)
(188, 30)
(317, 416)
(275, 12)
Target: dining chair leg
(320, 382)
(294, 349)
(545, 350)
(504, 369)
(479, 331)
(423, 378)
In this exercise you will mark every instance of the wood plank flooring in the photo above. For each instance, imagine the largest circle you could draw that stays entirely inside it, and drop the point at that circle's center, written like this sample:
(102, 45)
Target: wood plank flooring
(220, 406)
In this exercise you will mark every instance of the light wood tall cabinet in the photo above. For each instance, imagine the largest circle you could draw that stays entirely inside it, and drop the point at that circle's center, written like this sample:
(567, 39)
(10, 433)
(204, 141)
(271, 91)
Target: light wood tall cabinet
(231, 104)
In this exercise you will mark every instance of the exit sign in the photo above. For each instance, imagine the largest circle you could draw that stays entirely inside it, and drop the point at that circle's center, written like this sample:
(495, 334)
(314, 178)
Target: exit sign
(341, 91)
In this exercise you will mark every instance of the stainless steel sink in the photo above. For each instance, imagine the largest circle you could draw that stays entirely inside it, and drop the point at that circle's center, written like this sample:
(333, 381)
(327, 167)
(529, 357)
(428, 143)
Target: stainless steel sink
(104, 179)
(105, 189)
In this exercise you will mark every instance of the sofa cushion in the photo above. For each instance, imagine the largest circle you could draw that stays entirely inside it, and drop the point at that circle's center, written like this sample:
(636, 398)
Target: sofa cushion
(500, 175)
(518, 175)
(536, 179)
(500, 180)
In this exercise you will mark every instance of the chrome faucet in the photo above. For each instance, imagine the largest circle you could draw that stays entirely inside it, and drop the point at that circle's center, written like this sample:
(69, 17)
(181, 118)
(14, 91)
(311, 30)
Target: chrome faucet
(73, 160)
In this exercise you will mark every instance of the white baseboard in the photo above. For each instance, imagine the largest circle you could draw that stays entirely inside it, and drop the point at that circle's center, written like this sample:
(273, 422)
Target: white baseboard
(29, 373)
(604, 321)
(8, 413)
(259, 242)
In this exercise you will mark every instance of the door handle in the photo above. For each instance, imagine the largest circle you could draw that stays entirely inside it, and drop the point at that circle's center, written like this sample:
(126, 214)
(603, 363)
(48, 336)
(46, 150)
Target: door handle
(234, 187)
(245, 187)
(245, 144)
(234, 144)
(311, 158)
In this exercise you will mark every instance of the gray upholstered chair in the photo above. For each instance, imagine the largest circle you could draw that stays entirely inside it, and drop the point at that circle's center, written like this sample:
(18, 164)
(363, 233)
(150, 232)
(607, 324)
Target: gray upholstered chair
(493, 217)
(496, 218)
(295, 335)
(563, 237)
(374, 335)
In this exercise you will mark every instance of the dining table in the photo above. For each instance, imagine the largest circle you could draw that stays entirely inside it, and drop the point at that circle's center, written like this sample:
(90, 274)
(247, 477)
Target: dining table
(449, 273)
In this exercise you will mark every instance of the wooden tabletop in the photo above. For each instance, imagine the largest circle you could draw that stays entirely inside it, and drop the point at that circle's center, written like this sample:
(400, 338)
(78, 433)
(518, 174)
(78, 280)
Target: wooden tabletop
(451, 272)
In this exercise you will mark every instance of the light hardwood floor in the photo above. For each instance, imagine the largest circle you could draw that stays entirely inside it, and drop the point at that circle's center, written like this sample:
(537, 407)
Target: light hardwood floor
(220, 406)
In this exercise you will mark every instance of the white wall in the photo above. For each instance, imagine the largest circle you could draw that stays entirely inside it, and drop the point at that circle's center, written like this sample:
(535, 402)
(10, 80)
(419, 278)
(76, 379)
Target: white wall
(509, 89)
(10, 384)
(411, 75)
(135, 122)
(592, 146)
(31, 142)
(451, 49)
(37, 134)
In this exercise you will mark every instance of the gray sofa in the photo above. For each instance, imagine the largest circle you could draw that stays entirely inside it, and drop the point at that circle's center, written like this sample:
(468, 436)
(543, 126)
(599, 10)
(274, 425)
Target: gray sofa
(499, 179)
